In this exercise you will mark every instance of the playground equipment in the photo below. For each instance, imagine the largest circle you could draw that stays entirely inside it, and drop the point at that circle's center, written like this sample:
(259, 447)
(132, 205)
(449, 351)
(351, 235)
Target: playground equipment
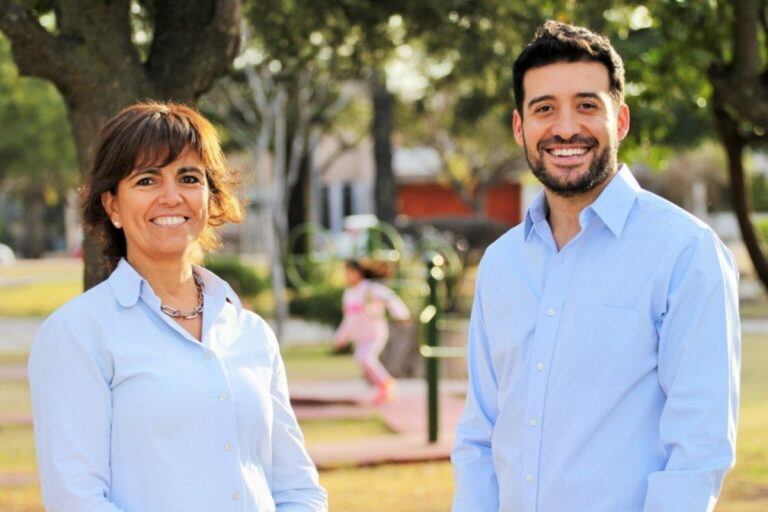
(431, 320)
(423, 267)
(315, 255)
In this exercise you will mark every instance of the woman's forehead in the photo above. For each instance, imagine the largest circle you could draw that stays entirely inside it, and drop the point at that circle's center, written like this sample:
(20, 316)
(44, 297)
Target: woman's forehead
(163, 155)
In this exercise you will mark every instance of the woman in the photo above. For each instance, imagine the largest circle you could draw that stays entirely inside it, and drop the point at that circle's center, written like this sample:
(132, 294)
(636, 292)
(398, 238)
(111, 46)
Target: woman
(365, 303)
(155, 391)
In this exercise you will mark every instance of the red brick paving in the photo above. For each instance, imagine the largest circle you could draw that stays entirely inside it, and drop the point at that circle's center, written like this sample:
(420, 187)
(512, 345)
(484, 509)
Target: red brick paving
(406, 416)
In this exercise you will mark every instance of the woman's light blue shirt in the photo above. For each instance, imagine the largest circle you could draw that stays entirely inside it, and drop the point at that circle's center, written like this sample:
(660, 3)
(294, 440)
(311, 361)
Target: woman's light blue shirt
(133, 414)
(604, 377)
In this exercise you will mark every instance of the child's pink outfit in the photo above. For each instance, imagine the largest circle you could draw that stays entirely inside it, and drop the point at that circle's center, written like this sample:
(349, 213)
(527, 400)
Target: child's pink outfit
(365, 324)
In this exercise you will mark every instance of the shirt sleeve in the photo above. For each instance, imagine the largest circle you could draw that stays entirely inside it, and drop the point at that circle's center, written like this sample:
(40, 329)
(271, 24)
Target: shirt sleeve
(699, 357)
(477, 489)
(71, 404)
(394, 304)
(295, 483)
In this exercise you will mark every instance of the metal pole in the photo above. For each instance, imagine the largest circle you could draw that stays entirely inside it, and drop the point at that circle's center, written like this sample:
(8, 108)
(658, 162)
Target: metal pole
(434, 276)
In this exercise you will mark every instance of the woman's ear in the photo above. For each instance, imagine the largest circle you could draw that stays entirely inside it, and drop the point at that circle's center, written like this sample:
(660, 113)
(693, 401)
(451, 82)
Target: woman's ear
(109, 202)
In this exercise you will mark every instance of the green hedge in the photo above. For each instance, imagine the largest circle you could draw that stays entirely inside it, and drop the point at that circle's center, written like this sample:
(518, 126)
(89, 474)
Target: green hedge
(761, 226)
(242, 278)
(321, 306)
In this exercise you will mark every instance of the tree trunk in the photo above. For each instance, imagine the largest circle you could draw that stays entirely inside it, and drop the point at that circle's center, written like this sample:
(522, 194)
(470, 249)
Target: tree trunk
(734, 145)
(298, 212)
(381, 128)
(86, 119)
(33, 241)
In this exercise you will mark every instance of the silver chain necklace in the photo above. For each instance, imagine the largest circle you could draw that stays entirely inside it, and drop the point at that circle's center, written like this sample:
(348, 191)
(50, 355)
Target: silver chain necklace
(187, 315)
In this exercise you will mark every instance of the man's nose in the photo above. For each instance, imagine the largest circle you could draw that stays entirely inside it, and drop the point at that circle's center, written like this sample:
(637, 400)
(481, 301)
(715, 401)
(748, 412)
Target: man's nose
(566, 125)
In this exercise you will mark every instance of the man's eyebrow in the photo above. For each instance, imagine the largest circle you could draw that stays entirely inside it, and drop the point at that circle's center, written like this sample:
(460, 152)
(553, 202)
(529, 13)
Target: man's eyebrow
(547, 97)
(592, 95)
(539, 99)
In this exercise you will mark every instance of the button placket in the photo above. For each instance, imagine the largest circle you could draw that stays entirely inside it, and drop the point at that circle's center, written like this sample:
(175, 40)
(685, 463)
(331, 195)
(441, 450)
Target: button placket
(544, 345)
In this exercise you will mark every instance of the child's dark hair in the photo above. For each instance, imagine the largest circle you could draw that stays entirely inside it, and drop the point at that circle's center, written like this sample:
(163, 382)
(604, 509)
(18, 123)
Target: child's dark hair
(370, 269)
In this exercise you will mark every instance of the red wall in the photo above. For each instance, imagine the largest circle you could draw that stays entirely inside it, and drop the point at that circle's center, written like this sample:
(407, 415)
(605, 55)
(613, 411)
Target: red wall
(425, 200)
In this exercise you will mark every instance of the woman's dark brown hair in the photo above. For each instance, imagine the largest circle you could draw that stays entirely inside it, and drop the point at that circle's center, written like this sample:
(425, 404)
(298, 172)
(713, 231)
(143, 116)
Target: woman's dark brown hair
(156, 133)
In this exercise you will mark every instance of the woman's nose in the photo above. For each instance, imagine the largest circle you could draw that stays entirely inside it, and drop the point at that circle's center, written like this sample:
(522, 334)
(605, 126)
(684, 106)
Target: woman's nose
(170, 194)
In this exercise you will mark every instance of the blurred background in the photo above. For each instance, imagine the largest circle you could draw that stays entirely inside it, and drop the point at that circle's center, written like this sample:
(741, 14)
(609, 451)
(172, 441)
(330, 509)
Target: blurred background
(377, 129)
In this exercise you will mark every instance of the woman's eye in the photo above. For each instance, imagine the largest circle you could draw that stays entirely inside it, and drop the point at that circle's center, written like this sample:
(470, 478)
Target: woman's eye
(190, 179)
(144, 181)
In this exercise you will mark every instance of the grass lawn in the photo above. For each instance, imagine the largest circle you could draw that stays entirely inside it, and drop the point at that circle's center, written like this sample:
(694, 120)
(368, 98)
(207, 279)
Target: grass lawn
(316, 362)
(37, 287)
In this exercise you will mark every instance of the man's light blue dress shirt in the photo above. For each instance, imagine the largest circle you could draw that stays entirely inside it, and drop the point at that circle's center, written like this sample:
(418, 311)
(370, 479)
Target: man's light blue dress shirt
(132, 414)
(604, 377)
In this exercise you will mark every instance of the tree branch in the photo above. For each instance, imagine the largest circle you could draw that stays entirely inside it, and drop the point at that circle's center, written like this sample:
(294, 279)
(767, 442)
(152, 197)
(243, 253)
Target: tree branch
(36, 51)
(746, 51)
(735, 144)
(747, 96)
(189, 41)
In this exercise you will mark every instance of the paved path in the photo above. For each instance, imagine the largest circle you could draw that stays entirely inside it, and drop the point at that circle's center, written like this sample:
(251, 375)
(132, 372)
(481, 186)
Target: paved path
(406, 417)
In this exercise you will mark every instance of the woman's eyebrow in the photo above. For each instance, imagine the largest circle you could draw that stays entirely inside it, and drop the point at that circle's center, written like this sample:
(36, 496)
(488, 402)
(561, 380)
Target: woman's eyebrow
(190, 169)
(144, 170)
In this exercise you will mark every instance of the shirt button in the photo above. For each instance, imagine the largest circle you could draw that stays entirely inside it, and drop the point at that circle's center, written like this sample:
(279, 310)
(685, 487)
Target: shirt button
(235, 496)
(224, 396)
(533, 422)
(228, 447)
(550, 312)
(529, 478)
(539, 366)
(207, 355)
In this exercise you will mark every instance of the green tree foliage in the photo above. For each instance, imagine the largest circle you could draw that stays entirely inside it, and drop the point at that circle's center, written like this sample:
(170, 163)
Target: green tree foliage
(36, 145)
(37, 154)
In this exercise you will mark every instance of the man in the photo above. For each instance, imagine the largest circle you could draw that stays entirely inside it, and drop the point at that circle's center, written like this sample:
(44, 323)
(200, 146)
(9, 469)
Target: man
(604, 339)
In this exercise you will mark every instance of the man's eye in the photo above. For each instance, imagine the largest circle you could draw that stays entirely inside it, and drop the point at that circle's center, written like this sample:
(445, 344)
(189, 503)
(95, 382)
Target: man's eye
(543, 109)
(588, 106)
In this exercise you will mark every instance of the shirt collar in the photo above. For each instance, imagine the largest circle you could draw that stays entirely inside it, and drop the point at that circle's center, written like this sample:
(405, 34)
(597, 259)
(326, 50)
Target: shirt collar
(616, 200)
(126, 285)
(612, 206)
(536, 213)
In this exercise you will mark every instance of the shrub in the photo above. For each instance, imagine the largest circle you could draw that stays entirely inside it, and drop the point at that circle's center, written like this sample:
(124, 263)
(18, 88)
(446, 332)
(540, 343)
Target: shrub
(242, 278)
(761, 226)
(322, 306)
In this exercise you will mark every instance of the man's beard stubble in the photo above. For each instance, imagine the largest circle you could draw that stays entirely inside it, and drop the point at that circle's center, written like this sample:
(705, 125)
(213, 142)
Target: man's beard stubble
(600, 169)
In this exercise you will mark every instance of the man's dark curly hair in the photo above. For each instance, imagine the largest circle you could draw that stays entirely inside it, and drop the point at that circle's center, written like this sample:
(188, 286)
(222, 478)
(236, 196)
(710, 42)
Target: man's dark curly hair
(556, 42)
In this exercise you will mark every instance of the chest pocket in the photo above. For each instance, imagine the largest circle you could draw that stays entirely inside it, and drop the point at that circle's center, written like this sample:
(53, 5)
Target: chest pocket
(599, 344)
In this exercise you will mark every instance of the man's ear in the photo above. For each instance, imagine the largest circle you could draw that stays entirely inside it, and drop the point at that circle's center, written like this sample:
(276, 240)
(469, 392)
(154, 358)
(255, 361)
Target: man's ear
(622, 121)
(517, 128)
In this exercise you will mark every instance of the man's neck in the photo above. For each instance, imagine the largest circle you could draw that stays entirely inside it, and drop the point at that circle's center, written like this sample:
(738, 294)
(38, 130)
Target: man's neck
(563, 214)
